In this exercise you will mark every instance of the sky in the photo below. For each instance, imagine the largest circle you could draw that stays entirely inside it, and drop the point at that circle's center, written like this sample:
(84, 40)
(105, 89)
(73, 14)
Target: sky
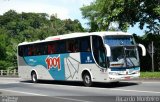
(63, 8)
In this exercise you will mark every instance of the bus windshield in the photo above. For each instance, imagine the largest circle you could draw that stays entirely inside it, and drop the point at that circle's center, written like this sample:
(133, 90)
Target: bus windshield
(123, 51)
(119, 40)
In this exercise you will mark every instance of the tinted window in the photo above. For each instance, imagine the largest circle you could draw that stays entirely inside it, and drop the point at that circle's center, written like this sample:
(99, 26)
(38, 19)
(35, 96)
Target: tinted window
(73, 45)
(62, 46)
(20, 50)
(52, 48)
(85, 44)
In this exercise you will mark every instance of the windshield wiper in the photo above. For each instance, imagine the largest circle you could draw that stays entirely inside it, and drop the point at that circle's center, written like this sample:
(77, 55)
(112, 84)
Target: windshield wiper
(128, 57)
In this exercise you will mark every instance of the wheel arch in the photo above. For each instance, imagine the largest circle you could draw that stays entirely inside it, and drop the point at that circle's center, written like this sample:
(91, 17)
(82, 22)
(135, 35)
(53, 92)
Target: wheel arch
(87, 71)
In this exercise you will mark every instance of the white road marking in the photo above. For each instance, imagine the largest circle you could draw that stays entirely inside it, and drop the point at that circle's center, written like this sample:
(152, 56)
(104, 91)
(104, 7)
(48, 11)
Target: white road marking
(9, 82)
(139, 81)
(151, 82)
(28, 93)
(70, 99)
(154, 92)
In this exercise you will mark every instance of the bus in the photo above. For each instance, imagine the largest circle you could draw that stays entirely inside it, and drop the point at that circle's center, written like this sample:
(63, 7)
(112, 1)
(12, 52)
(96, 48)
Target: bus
(87, 57)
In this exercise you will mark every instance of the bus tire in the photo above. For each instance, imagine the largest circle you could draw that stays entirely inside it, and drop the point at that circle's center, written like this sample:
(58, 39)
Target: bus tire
(87, 80)
(34, 77)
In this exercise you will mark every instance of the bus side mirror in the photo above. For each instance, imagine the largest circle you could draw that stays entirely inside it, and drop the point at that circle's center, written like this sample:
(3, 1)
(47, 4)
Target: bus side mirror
(143, 49)
(108, 50)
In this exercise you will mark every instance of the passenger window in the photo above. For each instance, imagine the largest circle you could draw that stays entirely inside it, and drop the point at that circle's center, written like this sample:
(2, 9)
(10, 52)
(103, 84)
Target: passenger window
(25, 50)
(61, 48)
(72, 45)
(20, 51)
(85, 44)
(52, 48)
(30, 50)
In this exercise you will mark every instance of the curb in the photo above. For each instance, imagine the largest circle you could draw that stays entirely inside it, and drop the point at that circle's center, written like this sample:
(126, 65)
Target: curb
(146, 79)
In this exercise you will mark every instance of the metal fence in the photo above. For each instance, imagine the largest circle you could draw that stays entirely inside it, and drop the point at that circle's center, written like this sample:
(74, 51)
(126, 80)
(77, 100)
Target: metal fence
(9, 72)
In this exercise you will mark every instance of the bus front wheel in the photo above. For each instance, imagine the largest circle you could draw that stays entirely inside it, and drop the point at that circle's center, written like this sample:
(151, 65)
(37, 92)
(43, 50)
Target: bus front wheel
(34, 77)
(87, 80)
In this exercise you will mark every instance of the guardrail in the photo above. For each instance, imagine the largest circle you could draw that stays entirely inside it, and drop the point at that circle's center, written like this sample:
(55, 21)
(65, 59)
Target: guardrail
(9, 72)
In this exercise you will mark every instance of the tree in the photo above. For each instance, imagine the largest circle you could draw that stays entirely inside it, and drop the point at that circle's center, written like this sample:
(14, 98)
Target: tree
(3, 50)
(19, 27)
(125, 12)
(72, 26)
(3, 43)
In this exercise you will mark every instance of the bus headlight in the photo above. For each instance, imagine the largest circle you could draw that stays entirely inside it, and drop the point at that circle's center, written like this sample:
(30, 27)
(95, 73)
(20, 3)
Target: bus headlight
(137, 72)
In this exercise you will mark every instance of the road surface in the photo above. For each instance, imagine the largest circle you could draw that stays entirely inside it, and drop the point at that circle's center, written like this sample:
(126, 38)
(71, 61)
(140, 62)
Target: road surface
(18, 90)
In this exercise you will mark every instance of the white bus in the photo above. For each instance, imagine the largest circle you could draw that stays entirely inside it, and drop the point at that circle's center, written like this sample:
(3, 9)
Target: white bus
(87, 57)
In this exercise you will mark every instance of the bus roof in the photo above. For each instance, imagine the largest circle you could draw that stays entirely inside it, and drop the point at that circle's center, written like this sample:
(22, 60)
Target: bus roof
(75, 35)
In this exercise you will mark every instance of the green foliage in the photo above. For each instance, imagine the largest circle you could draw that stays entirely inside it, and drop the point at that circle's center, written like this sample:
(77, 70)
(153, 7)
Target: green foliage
(146, 61)
(149, 75)
(147, 39)
(101, 13)
(16, 28)
(3, 64)
(3, 52)
(3, 43)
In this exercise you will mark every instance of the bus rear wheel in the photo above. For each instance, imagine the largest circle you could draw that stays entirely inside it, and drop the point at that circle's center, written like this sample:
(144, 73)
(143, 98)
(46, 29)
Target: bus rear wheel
(87, 80)
(34, 77)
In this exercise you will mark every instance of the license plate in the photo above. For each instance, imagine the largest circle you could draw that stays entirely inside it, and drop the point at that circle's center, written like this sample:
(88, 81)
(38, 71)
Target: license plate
(127, 77)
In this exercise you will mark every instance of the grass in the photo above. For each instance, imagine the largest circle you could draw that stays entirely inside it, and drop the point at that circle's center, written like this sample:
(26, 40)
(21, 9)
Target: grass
(150, 75)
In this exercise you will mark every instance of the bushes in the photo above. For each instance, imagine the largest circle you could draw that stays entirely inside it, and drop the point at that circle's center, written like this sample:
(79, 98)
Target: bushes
(4, 65)
(150, 75)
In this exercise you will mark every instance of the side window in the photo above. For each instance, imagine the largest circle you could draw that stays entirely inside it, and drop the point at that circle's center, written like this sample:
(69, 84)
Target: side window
(77, 45)
(34, 50)
(69, 45)
(61, 47)
(42, 49)
(25, 50)
(30, 50)
(20, 51)
(52, 48)
(72, 45)
(85, 44)
(38, 51)
(99, 51)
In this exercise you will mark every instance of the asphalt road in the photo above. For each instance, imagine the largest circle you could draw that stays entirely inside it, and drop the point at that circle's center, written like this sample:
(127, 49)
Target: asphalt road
(17, 90)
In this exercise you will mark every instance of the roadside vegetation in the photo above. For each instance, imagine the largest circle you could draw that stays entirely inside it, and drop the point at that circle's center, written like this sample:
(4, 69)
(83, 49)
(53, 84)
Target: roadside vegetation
(150, 75)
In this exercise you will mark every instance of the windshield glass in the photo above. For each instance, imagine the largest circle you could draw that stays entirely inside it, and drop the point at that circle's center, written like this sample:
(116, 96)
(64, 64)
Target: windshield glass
(119, 40)
(123, 51)
(131, 56)
(123, 56)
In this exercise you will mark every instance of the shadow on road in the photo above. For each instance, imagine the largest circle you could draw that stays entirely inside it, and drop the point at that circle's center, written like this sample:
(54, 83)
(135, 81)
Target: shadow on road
(98, 85)
(115, 85)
